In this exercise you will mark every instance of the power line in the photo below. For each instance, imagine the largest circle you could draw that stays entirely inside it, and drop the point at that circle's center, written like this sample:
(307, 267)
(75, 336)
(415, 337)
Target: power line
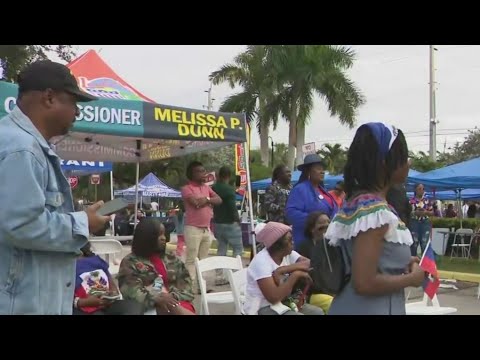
(407, 134)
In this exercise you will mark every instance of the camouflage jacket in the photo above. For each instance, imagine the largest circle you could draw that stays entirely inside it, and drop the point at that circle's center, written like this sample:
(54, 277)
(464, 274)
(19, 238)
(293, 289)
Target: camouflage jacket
(275, 201)
(137, 275)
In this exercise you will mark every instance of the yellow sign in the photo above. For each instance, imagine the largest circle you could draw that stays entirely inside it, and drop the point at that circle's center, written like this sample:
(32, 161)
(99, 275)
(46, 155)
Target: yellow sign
(197, 124)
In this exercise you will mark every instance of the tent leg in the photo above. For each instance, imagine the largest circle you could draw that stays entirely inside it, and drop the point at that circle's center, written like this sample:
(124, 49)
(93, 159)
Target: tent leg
(111, 185)
(112, 224)
(136, 193)
(137, 175)
(249, 189)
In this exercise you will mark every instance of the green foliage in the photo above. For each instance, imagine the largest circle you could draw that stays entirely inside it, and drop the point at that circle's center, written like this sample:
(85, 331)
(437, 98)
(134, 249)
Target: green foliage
(469, 149)
(335, 157)
(16, 57)
(421, 162)
(455, 223)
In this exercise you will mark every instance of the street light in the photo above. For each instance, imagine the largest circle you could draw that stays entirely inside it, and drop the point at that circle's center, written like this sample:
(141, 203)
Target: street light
(210, 99)
(271, 139)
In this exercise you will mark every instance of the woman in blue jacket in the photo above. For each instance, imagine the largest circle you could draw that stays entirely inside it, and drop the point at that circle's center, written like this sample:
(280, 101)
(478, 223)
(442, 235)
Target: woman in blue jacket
(308, 196)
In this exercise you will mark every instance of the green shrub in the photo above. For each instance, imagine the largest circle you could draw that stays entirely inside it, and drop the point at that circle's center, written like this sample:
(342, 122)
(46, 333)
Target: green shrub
(455, 223)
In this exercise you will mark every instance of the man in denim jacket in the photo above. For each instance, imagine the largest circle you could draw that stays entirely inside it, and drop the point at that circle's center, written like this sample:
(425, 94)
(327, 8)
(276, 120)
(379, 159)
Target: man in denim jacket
(40, 234)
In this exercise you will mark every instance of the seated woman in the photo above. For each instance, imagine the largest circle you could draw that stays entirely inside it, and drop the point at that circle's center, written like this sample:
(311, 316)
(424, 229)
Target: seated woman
(315, 229)
(274, 274)
(153, 278)
(93, 283)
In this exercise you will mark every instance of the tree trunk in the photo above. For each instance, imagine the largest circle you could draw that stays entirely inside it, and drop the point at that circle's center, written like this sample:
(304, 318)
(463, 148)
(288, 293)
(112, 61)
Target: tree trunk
(264, 144)
(292, 139)
(300, 142)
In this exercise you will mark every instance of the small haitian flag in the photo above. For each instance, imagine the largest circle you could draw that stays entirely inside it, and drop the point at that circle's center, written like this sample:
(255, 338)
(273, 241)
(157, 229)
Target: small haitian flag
(432, 282)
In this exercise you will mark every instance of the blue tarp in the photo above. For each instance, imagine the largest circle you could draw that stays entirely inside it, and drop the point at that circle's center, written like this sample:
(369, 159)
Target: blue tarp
(79, 168)
(464, 175)
(330, 180)
(467, 194)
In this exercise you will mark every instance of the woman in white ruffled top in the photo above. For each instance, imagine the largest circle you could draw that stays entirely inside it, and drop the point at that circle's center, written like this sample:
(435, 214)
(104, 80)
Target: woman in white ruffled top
(373, 238)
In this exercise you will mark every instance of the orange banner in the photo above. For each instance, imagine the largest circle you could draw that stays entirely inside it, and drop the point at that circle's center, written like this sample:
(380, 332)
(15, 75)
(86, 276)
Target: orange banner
(241, 162)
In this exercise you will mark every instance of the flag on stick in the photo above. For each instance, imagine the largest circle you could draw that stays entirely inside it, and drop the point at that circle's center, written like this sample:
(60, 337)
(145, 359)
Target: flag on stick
(428, 264)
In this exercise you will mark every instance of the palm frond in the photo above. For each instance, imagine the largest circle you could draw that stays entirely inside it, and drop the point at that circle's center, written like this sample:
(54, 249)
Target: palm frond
(341, 95)
(230, 73)
(242, 102)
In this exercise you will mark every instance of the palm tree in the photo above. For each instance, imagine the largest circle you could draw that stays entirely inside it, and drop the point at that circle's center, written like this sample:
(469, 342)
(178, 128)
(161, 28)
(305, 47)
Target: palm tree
(248, 71)
(300, 72)
(335, 157)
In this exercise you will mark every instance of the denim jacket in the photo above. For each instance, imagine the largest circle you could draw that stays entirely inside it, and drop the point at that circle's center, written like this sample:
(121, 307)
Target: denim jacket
(40, 235)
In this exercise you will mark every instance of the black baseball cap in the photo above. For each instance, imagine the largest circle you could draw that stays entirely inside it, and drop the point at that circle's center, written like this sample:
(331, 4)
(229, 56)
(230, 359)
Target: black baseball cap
(46, 74)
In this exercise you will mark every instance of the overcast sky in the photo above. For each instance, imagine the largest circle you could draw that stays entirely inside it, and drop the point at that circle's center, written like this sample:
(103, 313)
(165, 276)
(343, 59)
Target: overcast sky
(393, 78)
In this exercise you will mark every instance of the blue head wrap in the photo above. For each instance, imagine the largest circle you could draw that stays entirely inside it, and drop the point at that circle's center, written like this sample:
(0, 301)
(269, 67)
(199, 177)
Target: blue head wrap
(384, 134)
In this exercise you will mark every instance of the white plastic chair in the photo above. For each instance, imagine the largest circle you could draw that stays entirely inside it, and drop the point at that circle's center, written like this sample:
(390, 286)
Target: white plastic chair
(439, 241)
(238, 283)
(460, 242)
(214, 263)
(423, 307)
(108, 248)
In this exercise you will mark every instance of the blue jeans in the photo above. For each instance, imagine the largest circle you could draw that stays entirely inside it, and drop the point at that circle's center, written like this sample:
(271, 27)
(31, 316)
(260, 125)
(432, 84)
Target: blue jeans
(421, 232)
(228, 234)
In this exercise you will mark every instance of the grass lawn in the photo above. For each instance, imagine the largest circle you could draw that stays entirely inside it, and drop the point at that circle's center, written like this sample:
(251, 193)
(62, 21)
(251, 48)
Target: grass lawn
(471, 266)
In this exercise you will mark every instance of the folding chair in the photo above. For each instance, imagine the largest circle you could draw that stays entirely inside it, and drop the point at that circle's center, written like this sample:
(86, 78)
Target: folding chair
(238, 283)
(108, 248)
(460, 242)
(214, 263)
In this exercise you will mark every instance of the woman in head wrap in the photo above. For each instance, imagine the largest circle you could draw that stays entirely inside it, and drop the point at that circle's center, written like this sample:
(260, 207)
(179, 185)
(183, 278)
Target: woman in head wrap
(275, 272)
(308, 196)
(372, 237)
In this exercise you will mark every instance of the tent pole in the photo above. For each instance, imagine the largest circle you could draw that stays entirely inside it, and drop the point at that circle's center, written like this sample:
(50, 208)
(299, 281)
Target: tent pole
(137, 175)
(249, 189)
(111, 185)
(136, 193)
(460, 210)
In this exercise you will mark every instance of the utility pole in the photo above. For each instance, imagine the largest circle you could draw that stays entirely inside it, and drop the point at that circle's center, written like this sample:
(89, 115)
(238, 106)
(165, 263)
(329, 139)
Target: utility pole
(210, 99)
(273, 151)
(433, 111)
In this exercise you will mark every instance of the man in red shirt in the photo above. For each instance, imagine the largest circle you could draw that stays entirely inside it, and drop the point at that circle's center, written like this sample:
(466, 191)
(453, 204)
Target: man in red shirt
(199, 200)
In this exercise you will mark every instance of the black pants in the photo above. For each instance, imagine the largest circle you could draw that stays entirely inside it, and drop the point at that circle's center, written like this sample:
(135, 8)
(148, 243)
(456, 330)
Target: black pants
(119, 307)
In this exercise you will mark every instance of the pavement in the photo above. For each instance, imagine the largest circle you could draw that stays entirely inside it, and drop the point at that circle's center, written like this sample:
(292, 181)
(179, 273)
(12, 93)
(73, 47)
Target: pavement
(463, 297)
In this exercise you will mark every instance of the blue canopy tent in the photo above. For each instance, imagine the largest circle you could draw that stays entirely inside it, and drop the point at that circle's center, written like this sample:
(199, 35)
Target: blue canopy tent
(151, 186)
(461, 177)
(330, 180)
(464, 175)
(467, 194)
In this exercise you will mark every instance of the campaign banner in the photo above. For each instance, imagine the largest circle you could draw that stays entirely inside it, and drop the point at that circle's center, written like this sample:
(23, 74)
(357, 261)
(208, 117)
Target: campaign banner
(130, 118)
(241, 163)
(86, 166)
